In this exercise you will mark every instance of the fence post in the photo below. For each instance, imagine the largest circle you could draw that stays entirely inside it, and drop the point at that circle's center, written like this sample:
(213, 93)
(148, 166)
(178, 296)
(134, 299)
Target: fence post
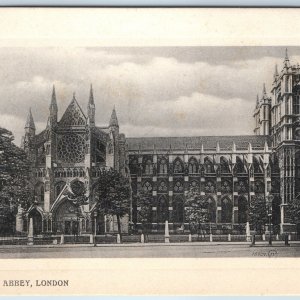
(248, 234)
(286, 240)
(190, 238)
(118, 239)
(229, 237)
(263, 237)
(210, 237)
(142, 238)
(253, 240)
(62, 239)
(30, 233)
(167, 235)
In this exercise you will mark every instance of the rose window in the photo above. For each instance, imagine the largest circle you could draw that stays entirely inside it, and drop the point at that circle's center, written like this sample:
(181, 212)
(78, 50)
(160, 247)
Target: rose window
(147, 187)
(178, 187)
(71, 148)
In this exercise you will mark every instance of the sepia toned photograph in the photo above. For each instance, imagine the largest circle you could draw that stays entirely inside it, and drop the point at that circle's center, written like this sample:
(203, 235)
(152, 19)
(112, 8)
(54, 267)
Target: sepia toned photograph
(149, 151)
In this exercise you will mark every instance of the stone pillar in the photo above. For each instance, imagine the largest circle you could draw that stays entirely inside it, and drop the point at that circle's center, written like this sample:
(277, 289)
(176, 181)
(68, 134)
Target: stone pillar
(167, 235)
(30, 233)
(47, 196)
(248, 236)
(19, 220)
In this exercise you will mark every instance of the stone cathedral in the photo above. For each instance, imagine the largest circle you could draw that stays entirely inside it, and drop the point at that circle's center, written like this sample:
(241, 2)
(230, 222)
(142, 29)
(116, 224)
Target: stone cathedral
(227, 170)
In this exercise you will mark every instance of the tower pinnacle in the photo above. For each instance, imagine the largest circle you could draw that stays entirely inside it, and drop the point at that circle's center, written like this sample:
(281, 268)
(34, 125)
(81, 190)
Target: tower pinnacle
(53, 104)
(113, 119)
(30, 122)
(53, 108)
(276, 71)
(257, 100)
(286, 59)
(264, 89)
(91, 98)
(91, 107)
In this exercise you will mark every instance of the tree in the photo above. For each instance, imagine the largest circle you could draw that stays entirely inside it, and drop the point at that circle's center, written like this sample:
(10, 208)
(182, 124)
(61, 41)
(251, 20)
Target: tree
(15, 188)
(293, 212)
(144, 212)
(113, 195)
(196, 211)
(258, 215)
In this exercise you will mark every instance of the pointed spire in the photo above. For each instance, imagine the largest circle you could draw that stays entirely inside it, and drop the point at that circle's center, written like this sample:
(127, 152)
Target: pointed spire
(276, 74)
(29, 122)
(74, 98)
(286, 54)
(53, 99)
(264, 89)
(218, 147)
(233, 147)
(91, 98)
(257, 100)
(286, 59)
(113, 119)
(249, 147)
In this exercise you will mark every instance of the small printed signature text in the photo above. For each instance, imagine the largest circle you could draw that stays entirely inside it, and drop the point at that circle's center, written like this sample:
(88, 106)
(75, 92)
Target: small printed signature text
(265, 253)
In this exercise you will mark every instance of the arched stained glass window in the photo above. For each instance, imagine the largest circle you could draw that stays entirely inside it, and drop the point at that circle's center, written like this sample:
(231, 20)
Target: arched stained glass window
(163, 187)
(224, 165)
(193, 166)
(178, 166)
(178, 187)
(226, 213)
(211, 206)
(148, 167)
(147, 187)
(162, 210)
(163, 166)
(178, 210)
(209, 167)
(242, 210)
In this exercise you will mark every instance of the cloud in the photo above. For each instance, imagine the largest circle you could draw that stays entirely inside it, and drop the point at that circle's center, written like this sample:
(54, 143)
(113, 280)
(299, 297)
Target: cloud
(156, 92)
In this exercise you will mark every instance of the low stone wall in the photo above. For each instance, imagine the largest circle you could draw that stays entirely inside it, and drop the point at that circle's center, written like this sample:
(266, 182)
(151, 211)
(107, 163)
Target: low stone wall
(136, 238)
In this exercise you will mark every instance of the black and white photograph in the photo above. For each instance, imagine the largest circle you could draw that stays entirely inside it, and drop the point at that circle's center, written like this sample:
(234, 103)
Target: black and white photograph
(169, 151)
(148, 151)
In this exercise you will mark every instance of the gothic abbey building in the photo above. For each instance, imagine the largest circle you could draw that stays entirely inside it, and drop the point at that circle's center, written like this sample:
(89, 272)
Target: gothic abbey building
(228, 171)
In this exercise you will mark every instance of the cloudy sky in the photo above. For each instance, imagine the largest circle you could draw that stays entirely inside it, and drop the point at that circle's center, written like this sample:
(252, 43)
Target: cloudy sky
(169, 91)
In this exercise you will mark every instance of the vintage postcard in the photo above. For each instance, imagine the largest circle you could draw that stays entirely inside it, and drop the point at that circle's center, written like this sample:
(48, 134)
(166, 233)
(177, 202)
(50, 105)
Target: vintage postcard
(149, 151)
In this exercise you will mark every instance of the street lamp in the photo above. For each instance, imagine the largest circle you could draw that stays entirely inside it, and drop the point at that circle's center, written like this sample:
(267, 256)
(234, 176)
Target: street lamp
(95, 227)
(269, 204)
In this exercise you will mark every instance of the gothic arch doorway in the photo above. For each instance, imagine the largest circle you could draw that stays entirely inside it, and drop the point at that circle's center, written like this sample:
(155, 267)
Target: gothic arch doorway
(37, 221)
(66, 218)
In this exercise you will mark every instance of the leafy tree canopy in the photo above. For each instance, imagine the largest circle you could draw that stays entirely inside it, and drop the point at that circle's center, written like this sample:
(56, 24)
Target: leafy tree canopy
(15, 186)
(293, 211)
(196, 210)
(258, 214)
(113, 193)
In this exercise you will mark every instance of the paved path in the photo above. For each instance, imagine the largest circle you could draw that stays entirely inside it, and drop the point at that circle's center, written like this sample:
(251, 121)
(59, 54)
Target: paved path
(197, 249)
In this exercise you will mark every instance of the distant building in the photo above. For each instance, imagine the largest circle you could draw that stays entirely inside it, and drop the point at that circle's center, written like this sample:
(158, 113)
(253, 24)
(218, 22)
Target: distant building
(226, 170)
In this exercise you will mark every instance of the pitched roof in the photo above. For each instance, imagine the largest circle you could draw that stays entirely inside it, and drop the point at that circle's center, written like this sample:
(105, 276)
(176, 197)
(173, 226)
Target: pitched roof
(73, 115)
(209, 142)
